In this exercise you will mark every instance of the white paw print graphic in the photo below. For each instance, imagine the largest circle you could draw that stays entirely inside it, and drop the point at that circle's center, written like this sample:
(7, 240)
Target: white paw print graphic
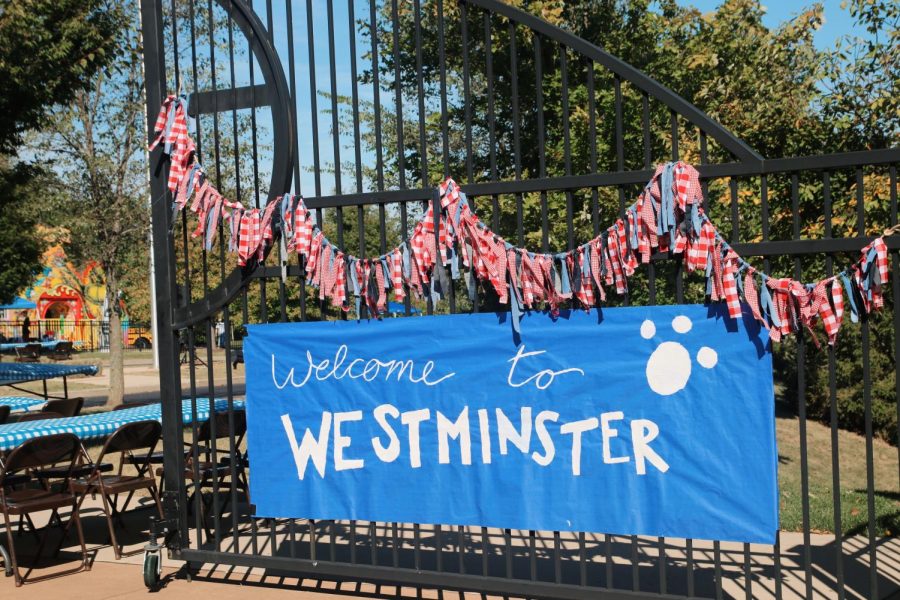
(669, 367)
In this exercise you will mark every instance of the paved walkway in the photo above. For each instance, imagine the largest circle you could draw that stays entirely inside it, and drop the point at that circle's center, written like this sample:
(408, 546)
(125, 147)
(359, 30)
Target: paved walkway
(109, 578)
(142, 380)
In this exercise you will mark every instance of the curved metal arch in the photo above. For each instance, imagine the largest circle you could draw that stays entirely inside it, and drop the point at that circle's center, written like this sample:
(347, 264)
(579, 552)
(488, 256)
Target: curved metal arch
(728, 140)
(285, 141)
(279, 96)
(274, 93)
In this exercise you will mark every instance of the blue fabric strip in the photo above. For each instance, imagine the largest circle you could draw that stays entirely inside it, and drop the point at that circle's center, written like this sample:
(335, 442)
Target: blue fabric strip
(767, 301)
(564, 274)
(854, 311)
(405, 253)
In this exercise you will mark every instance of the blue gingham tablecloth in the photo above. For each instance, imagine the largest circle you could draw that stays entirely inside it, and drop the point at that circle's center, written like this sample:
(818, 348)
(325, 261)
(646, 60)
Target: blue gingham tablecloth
(13, 345)
(100, 425)
(20, 402)
(22, 372)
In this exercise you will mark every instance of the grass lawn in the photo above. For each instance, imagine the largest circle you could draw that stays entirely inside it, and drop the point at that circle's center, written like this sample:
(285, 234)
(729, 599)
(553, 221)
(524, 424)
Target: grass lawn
(853, 480)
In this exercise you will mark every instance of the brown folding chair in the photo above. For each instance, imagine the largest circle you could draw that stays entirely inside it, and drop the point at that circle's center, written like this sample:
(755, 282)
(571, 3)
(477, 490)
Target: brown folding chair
(34, 454)
(35, 416)
(29, 353)
(67, 407)
(62, 351)
(4, 413)
(134, 440)
(124, 406)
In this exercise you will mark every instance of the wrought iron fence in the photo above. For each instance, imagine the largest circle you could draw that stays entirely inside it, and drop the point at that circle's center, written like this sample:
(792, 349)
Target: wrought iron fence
(85, 334)
(550, 137)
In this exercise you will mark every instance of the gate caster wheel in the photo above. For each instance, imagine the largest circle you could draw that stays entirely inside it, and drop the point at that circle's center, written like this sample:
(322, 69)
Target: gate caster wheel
(7, 564)
(152, 569)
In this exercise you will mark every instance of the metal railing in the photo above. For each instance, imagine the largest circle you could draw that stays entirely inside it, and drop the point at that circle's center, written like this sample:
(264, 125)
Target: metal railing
(85, 334)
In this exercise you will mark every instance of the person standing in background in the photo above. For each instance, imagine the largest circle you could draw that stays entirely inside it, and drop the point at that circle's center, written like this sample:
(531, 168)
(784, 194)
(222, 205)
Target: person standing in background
(26, 328)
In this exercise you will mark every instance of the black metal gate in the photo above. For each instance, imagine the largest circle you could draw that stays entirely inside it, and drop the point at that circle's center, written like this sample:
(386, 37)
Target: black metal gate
(364, 106)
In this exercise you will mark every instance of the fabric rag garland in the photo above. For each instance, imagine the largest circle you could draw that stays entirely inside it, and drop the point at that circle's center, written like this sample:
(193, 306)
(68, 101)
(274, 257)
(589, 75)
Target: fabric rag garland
(666, 217)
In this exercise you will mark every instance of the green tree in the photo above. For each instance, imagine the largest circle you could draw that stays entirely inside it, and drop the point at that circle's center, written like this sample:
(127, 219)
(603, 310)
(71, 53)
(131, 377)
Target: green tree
(49, 50)
(95, 143)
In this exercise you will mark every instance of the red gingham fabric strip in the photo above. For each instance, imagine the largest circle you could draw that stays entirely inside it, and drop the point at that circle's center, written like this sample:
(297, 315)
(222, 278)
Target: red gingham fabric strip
(729, 287)
(379, 278)
(826, 312)
(837, 300)
(397, 275)
(751, 296)
(312, 260)
(339, 292)
(586, 293)
(616, 262)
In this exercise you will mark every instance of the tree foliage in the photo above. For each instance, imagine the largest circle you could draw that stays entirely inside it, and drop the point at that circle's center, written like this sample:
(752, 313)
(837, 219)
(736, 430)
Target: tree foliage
(49, 50)
(95, 143)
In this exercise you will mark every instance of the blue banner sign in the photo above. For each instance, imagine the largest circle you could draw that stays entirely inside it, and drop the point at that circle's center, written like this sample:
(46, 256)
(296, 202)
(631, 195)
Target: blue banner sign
(651, 421)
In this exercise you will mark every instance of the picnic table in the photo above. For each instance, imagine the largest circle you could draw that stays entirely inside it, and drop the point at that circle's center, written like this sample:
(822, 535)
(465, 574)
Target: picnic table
(12, 374)
(22, 403)
(98, 426)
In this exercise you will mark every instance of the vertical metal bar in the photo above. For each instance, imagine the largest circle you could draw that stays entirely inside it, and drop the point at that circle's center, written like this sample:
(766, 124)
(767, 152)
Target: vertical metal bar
(592, 136)
(801, 403)
(673, 122)
(164, 274)
(542, 152)
(360, 216)
(516, 123)
(557, 559)
(423, 145)
(335, 125)
(351, 17)
(635, 565)
(661, 558)
(735, 225)
(438, 548)
(311, 523)
(226, 317)
(532, 552)
(582, 559)
(895, 284)
(717, 566)
(489, 75)
(467, 101)
(514, 91)
(373, 543)
(748, 575)
(778, 585)
(398, 100)
(376, 95)
(508, 552)
(620, 137)
(442, 59)
(461, 547)
(313, 105)
(195, 450)
(645, 128)
(832, 396)
(292, 81)
(867, 400)
(608, 561)
(567, 144)
(485, 543)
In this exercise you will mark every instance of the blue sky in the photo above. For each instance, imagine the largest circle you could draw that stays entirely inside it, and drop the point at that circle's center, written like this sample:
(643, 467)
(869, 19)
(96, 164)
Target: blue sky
(837, 20)
(837, 23)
